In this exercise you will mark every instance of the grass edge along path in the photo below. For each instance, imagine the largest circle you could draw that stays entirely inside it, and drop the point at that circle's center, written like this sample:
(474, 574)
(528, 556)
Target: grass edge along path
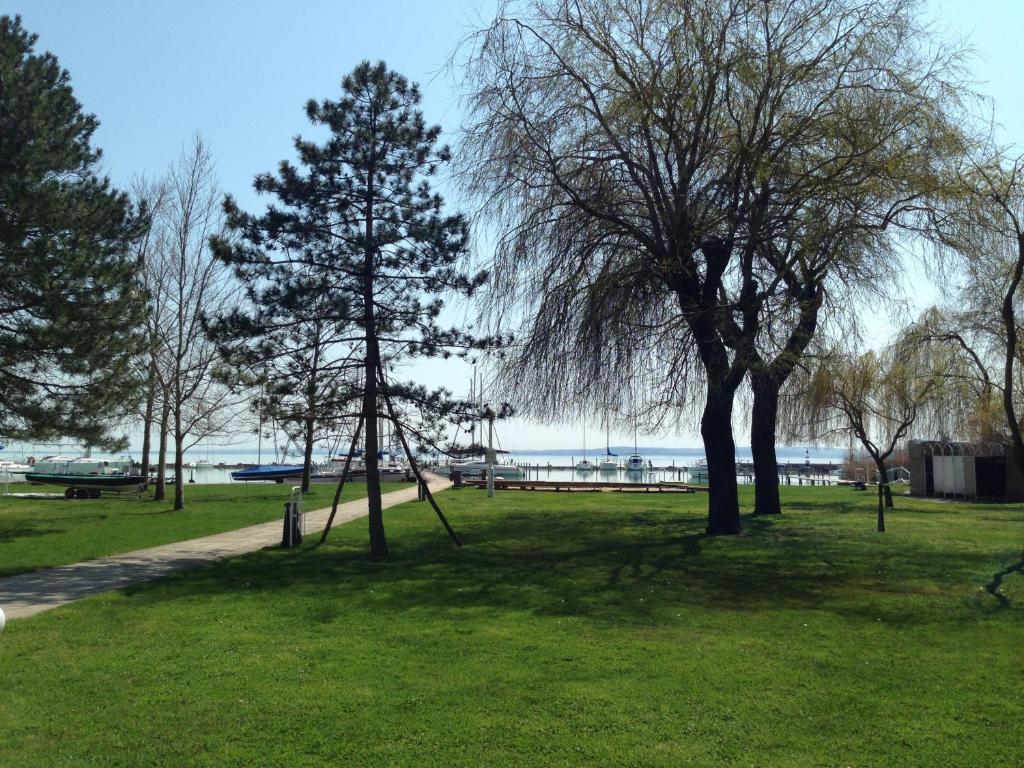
(27, 594)
(36, 534)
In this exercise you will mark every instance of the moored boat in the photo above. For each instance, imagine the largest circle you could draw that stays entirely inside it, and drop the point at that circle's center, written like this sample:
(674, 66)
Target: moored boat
(635, 463)
(478, 469)
(699, 471)
(276, 473)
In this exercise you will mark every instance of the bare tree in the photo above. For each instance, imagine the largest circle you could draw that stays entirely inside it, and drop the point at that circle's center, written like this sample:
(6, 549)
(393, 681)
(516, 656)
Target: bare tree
(196, 405)
(153, 195)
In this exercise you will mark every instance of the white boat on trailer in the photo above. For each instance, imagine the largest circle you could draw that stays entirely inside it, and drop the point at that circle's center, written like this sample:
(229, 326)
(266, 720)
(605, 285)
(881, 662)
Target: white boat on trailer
(79, 486)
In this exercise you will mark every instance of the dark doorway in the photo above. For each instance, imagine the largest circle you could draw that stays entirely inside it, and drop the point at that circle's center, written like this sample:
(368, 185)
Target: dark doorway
(990, 477)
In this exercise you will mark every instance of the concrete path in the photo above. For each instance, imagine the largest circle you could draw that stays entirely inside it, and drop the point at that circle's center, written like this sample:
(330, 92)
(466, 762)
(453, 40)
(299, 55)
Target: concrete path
(30, 593)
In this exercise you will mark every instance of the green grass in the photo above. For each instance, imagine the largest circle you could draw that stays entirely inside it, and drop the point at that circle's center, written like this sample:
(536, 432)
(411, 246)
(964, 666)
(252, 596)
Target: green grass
(44, 533)
(572, 629)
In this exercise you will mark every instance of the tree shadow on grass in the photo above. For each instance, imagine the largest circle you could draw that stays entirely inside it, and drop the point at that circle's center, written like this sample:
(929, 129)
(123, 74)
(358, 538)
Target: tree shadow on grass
(23, 532)
(608, 567)
(997, 581)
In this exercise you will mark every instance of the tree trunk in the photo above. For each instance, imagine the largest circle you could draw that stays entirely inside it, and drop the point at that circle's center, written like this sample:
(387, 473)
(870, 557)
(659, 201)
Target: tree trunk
(378, 541)
(881, 496)
(762, 445)
(161, 471)
(147, 420)
(720, 451)
(179, 461)
(307, 460)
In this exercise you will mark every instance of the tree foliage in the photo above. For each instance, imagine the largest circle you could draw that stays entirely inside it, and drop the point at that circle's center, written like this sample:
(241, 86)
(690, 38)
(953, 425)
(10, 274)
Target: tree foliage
(674, 179)
(981, 223)
(874, 397)
(359, 236)
(71, 308)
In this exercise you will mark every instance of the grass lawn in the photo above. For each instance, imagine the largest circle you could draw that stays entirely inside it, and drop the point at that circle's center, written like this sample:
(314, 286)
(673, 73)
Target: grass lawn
(572, 629)
(38, 534)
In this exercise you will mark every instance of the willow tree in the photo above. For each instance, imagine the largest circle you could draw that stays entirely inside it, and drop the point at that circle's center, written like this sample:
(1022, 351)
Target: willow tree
(642, 161)
(983, 229)
(377, 251)
(872, 396)
(967, 334)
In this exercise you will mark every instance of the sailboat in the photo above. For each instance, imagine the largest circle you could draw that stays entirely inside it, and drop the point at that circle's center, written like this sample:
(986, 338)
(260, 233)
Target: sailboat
(635, 462)
(478, 466)
(583, 465)
(608, 463)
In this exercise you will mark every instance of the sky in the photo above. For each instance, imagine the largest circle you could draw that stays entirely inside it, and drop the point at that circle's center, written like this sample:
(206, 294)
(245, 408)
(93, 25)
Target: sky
(239, 72)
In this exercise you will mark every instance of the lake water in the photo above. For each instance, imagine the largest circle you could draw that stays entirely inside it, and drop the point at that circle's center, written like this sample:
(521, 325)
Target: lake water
(554, 465)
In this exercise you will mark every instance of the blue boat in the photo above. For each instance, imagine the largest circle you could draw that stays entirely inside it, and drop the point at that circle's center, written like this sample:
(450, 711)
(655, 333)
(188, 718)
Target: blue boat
(277, 473)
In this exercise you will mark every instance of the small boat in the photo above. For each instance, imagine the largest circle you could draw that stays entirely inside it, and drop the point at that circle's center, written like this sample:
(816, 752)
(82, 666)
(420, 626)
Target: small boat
(636, 463)
(355, 474)
(584, 464)
(609, 463)
(79, 465)
(699, 471)
(276, 473)
(479, 469)
(88, 486)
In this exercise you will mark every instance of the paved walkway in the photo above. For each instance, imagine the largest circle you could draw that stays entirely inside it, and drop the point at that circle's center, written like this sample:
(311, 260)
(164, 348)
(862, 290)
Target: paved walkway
(30, 593)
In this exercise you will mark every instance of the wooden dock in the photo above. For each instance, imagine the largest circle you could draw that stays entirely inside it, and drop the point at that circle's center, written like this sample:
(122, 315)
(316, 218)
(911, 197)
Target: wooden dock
(505, 484)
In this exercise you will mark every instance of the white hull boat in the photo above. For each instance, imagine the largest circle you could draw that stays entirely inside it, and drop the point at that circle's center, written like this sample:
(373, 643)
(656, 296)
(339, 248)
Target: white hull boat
(636, 463)
(67, 465)
(479, 469)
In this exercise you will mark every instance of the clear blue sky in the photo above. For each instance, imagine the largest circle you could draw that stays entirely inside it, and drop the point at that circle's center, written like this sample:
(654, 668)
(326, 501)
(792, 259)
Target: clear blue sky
(239, 72)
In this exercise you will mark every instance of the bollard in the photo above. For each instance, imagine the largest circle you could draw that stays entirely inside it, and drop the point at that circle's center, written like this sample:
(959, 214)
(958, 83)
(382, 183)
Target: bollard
(421, 491)
(457, 479)
(292, 535)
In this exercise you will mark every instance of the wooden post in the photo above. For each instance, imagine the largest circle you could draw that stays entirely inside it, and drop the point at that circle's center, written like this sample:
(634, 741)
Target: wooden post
(341, 482)
(412, 461)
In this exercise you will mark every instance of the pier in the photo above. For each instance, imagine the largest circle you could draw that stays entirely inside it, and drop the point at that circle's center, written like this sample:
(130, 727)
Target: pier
(504, 484)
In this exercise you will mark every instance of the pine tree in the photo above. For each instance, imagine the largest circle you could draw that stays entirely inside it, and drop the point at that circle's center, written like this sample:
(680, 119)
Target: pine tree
(361, 222)
(293, 347)
(70, 304)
